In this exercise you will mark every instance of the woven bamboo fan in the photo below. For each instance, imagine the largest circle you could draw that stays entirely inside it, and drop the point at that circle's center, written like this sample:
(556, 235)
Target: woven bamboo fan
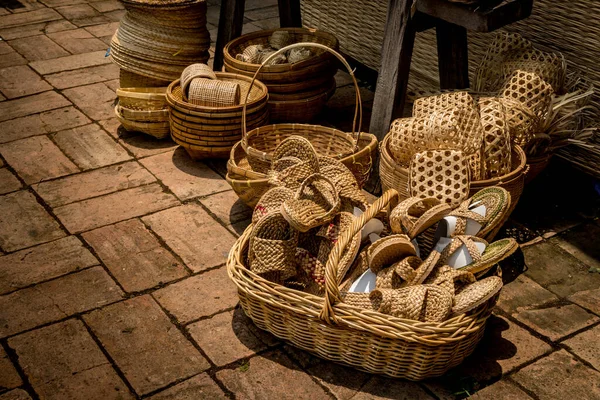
(366, 340)
(259, 143)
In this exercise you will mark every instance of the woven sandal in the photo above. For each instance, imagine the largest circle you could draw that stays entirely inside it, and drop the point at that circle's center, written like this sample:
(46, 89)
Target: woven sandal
(389, 250)
(329, 234)
(299, 147)
(272, 253)
(315, 203)
(414, 215)
(271, 201)
(398, 275)
(449, 278)
(476, 260)
(294, 160)
(475, 294)
(350, 193)
(427, 303)
(478, 215)
(312, 272)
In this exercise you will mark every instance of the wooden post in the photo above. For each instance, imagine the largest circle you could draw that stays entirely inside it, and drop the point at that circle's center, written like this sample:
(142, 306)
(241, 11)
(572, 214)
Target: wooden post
(289, 14)
(230, 27)
(398, 41)
(453, 55)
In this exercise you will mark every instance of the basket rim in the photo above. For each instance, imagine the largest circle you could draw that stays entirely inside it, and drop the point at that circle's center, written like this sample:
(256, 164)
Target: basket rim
(174, 102)
(306, 305)
(278, 68)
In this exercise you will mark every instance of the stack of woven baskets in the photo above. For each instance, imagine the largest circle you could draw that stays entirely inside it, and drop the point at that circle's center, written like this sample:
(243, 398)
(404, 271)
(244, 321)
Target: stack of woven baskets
(250, 159)
(299, 82)
(157, 39)
(206, 108)
(143, 110)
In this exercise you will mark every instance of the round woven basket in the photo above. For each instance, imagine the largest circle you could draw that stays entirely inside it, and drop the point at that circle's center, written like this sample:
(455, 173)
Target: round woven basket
(142, 98)
(250, 185)
(301, 88)
(159, 130)
(394, 176)
(210, 132)
(144, 115)
(367, 340)
(259, 143)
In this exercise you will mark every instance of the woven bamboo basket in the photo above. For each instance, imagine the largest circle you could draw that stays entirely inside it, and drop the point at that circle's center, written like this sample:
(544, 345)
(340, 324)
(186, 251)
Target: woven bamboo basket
(395, 176)
(129, 79)
(305, 84)
(250, 185)
(144, 115)
(366, 340)
(142, 98)
(210, 132)
(159, 130)
(259, 143)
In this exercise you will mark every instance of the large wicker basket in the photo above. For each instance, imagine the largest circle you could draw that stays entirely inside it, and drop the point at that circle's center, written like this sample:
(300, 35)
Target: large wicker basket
(301, 89)
(367, 340)
(211, 132)
(395, 176)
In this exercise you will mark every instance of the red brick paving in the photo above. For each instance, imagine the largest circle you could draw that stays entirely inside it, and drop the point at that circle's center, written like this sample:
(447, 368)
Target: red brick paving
(112, 247)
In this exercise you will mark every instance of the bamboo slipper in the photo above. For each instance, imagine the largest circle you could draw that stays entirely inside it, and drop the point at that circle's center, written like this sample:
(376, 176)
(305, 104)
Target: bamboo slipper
(478, 215)
(473, 254)
(329, 234)
(273, 248)
(315, 203)
(475, 294)
(427, 303)
(300, 147)
(271, 201)
(389, 250)
(290, 172)
(311, 274)
(398, 275)
(414, 215)
(347, 186)
(449, 278)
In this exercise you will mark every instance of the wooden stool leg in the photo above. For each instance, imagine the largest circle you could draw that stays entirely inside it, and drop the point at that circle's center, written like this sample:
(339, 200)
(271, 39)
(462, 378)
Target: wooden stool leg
(289, 14)
(230, 27)
(390, 93)
(453, 56)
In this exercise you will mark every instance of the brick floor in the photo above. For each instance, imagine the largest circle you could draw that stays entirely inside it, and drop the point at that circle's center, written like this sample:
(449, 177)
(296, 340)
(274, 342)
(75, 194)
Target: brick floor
(113, 244)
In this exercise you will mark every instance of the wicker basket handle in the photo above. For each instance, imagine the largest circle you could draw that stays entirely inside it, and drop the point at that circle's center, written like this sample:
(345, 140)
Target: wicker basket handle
(332, 291)
(358, 103)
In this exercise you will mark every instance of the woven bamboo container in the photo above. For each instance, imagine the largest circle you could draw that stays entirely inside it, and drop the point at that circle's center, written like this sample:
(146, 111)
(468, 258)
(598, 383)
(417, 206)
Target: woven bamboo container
(142, 98)
(211, 132)
(158, 129)
(250, 185)
(394, 176)
(366, 340)
(306, 84)
(259, 143)
(129, 79)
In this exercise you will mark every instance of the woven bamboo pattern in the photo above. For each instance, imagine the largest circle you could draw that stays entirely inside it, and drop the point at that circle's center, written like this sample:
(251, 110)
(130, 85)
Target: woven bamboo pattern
(157, 129)
(273, 248)
(159, 39)
(496, 137)
(142, 98)
(428, 105)
(129, 79)
(249, 185)
(450, 279)
(456, 129)
(331, 328)
(214, 93)
(307, 74)
(526, 98)
(399, 274)
(271, 202)
(194, 71)
(442, 174)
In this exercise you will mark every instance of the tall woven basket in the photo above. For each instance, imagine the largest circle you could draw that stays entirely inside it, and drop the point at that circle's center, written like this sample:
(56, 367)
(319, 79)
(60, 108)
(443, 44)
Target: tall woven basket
(366, 340)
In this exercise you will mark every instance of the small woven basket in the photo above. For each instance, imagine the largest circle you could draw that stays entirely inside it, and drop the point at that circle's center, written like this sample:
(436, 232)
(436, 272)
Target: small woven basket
(367, 340)
(194, 71)
(259, 143)
(213, 93)
(142, 98)
(159, 130)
